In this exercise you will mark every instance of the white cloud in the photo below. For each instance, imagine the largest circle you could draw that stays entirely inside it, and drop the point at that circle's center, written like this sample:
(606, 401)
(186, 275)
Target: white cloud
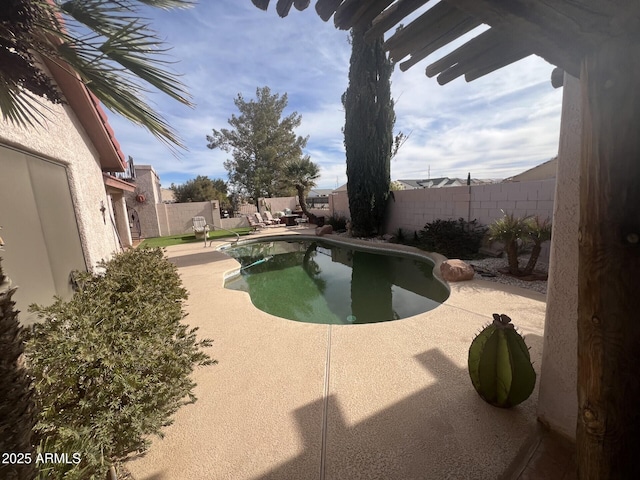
(496, 126)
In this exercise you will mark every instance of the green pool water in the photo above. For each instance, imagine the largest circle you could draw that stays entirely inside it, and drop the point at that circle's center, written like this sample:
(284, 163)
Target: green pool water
(320, 282)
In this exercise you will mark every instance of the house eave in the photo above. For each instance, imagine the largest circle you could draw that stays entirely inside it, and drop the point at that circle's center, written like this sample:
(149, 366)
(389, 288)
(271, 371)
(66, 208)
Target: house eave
(117, 184)
(91, 115)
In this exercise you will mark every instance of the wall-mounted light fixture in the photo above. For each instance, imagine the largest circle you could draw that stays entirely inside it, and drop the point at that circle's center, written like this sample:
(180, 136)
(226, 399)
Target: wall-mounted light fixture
(103, 209)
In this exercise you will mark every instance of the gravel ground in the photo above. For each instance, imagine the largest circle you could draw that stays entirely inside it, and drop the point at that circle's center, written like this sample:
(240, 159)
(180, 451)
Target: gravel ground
(491, 266)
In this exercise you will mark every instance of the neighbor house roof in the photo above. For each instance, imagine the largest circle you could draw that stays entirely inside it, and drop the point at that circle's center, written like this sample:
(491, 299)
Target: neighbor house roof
(543, 171)
(435, 182)
(562, 32)
(320, 192)
(92, 117)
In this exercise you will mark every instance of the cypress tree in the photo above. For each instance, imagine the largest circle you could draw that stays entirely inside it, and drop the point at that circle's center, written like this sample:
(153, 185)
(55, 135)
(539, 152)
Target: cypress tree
(368, 133)
(17, 415)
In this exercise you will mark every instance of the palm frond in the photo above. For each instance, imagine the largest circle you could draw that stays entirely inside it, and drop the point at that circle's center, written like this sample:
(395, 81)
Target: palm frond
(169, 4)
(21, 107)
(113, 50)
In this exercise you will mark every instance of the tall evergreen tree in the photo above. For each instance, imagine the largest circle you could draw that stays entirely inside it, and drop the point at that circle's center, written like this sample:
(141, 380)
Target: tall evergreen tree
(368, 133)
(261, 142)
(17, 414)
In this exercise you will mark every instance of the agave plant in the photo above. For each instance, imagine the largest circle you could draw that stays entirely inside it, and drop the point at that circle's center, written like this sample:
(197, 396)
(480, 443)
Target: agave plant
(105, 42)
(509, 229)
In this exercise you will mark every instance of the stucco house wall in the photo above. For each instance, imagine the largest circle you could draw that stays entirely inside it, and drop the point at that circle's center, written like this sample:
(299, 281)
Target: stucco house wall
(55, 211)
(558, 400)
(63, 141)
(148, 185)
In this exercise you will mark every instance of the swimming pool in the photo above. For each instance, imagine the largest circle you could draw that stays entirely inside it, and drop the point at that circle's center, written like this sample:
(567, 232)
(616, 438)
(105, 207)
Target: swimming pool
(319, 281)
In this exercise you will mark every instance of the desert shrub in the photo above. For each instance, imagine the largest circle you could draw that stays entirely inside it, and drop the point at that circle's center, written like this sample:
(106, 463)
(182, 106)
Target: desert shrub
(452, 238)
(517, 234)
(338, 222)
(113, 364)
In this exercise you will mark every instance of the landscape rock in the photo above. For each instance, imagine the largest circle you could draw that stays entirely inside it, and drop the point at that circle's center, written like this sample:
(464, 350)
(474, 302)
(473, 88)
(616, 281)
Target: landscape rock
(388, 237)
(324, 230)
(456, 271)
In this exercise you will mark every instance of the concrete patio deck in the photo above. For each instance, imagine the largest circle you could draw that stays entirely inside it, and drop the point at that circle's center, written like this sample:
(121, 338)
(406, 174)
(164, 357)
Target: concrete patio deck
(290, 400)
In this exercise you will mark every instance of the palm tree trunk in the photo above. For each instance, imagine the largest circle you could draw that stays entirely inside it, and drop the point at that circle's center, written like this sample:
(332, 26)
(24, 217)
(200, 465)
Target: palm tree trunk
(301, 199)
(533, 259)
(512, 256)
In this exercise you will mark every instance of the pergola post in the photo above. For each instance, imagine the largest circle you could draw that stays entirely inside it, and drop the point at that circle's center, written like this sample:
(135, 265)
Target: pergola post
(608, 430)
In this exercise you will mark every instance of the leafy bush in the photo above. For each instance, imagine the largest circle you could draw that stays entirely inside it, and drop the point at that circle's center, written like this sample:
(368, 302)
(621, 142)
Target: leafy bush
(338, 222)
(113, 364)
(452, 238)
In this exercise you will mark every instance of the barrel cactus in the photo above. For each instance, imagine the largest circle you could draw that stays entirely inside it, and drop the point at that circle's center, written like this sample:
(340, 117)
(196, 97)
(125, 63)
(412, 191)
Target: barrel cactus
(500, 365)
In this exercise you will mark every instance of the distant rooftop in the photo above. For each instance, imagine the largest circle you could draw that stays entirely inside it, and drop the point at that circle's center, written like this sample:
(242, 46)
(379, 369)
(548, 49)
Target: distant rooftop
(440, 182)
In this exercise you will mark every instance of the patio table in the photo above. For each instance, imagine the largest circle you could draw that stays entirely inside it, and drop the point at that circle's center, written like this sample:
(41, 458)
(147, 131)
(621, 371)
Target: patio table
(289, 220)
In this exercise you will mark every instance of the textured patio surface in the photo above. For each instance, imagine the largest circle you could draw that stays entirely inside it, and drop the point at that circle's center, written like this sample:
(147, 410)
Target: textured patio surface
(290, 400)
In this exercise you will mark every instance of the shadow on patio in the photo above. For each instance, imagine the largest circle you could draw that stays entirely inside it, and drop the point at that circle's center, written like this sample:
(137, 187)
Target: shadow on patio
(443, 431)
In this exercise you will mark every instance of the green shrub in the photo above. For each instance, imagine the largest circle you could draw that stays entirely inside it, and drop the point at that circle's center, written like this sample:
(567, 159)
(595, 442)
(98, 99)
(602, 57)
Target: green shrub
(17, 414)
(113, 364)
(452, 238)
(338, 222)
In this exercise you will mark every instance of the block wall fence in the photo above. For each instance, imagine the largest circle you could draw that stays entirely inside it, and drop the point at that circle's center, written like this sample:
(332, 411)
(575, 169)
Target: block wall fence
(412, 209)
(177, 218)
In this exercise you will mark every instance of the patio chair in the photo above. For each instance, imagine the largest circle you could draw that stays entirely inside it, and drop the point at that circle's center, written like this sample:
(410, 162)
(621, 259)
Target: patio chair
(262, 220)
(302, 219)
(270, 217)
(200, 227)
(253, 224)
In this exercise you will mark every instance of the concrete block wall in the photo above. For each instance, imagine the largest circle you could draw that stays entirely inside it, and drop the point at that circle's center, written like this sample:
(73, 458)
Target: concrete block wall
(339, 205)
(178, 217)
(230, 223)
(278, 204)
(412, 209)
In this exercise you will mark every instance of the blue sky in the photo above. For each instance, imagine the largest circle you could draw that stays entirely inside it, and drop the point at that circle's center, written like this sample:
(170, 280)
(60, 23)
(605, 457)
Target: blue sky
(494, 127)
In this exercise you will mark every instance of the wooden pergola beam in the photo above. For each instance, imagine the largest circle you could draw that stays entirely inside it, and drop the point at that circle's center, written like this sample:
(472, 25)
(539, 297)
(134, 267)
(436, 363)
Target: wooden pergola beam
(392, 16)
(439, 42)
(555, 29)
(355, 13)
(471, 50)
(283, 7)
(425, 29)
(326, 8)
